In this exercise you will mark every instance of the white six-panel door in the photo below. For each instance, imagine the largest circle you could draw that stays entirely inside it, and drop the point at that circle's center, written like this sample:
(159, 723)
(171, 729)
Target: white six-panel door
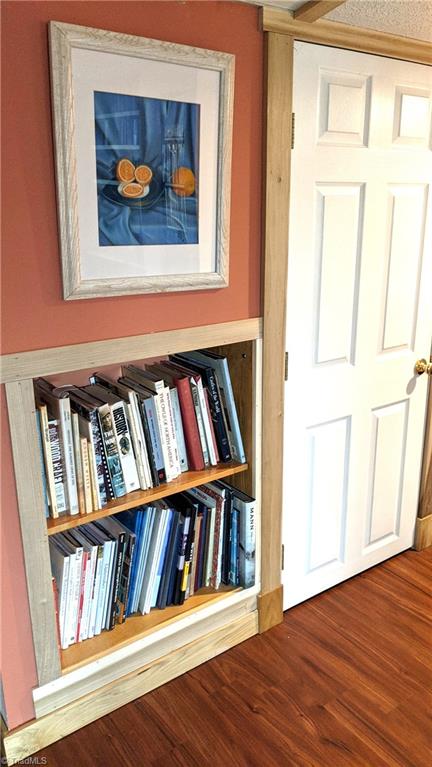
(359, 313)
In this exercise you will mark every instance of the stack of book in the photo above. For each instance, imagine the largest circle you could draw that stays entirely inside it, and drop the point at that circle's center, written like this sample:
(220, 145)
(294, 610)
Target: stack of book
(109, 438)
(151, 557)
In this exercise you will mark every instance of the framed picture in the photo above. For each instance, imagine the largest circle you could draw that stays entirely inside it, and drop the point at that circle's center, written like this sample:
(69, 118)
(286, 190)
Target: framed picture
(143, 159)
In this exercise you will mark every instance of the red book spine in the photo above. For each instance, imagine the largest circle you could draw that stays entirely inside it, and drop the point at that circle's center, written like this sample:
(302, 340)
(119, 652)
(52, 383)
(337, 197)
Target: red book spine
(190, 426)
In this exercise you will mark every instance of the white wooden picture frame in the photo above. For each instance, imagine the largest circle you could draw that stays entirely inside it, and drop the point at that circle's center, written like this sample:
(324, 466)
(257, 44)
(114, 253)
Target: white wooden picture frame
(143, 136)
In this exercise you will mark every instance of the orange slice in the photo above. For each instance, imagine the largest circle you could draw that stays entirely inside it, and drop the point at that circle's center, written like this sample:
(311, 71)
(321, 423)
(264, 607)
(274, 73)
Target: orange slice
(132, 190)
(143, 174)
(183, 182)
(125, 170)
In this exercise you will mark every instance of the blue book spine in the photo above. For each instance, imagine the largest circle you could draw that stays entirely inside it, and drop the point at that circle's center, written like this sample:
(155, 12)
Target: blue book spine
(162, 557)
(233, 571)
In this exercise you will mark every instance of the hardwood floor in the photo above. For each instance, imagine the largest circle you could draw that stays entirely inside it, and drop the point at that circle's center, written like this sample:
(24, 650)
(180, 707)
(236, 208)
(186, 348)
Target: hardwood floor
(345, 681)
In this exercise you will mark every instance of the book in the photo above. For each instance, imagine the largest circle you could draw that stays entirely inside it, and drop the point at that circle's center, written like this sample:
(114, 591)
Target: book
(199, 363)
(171, 550)
(201, 410)
(58, 468)
(78, 463)
(185, 505)
(174, 377)
(48, 462)
(121, 432)
(90, 429)
(60, 563)
(221, 368)
(246, 537)
(87, 483)
(57, 402)
(42, 463)
(156, 387)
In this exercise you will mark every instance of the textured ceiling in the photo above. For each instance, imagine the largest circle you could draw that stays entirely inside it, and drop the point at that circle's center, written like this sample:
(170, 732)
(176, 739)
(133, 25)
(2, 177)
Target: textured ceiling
(411, 18)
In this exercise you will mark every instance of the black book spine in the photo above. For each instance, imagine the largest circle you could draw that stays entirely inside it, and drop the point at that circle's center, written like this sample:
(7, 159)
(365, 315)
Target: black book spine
(217, 416)
(187, 557)
(117, 573)
(147, 436)
(226, 537)
(172, 550)
(96, 430)
(182, 559)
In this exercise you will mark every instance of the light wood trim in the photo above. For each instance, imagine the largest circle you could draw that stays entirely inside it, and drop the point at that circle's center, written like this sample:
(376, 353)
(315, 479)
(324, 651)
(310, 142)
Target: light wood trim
(425, 506)
(40, 733)
(270, 609)
(279, 66)
(345, 36)
(61, 359)
(135, 628)
(31, 506)
(98, 674)
(313, 10)
(139, 497)
(423, 533)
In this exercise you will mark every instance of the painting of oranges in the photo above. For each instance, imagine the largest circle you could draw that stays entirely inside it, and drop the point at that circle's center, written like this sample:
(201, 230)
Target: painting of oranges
(147, 169)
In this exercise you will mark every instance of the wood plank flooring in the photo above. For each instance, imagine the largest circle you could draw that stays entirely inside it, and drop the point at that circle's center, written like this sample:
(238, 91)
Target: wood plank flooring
(345, 681)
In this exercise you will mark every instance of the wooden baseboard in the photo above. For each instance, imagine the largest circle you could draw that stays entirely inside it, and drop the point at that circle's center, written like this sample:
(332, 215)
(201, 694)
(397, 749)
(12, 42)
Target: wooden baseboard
(270, 610)
(423, 533)
(39, 733)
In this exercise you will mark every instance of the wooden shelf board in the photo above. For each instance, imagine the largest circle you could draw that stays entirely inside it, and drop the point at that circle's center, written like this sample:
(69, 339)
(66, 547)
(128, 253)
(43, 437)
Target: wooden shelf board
(136, 627)
(139, 497)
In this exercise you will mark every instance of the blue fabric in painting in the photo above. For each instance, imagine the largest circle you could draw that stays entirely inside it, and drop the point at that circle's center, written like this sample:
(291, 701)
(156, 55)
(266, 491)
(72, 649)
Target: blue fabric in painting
(163, 135)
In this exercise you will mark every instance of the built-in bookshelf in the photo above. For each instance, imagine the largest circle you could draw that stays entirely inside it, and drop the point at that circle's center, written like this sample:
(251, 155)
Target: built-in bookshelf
(167, 641)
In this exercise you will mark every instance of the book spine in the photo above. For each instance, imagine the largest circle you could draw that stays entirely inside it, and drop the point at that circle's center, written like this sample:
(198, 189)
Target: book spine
(104, 487)
(118, 564)
(80, 634)
(228, 403)
(104, 587)
(96, 591)
(46, 446)
(135, 404)
(166, 397)
(147, 438)
(111, 451)
(78, 463)
(190, 425)
(76, 591)
(178, 428)
(206, 422)
(217, 416)
(57, 463)
(155, 438)
(246, 543)
(165, 437)
(124, 446)
(136, 443)
(69, 456)
(233, 571)
(215, 569)
(42, 463)
(211, 426)
(88, 499)
(201, 430)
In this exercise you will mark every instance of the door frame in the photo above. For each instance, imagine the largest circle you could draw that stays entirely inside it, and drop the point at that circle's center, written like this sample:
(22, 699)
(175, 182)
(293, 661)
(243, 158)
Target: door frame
(282, 30)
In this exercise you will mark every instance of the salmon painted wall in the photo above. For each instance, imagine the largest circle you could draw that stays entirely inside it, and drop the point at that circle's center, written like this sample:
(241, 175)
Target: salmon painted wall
(33, 312)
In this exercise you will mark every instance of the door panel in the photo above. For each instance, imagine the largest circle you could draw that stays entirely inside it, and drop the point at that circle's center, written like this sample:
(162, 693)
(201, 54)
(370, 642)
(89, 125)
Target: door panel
(358, 313)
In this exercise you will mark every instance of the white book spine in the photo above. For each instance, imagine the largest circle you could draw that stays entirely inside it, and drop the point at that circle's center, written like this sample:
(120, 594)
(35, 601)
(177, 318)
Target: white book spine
(88, 588)
(136, 442)
(88, 499)
(95, 591)
(200, 423)
(68, 453)
(165, 438)
(63, 603)
(124, 445)
(172, 431)
(206, 422)
(178, 427)
(86, 431)
(46, 446)
(78, 463)
(58, 468)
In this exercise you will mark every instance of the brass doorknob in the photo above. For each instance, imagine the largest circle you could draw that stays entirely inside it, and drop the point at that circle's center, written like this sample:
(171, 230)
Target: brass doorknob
(422, 366)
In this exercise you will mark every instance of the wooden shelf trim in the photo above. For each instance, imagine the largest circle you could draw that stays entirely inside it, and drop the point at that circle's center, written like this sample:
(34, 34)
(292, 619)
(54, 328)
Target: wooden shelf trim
(137, 627)
(139, 497)
(62, 359)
